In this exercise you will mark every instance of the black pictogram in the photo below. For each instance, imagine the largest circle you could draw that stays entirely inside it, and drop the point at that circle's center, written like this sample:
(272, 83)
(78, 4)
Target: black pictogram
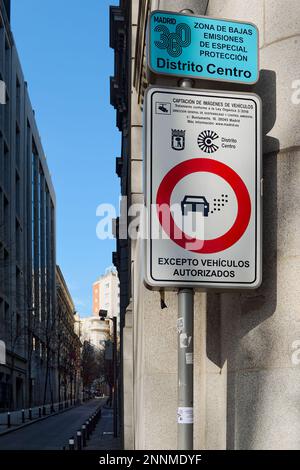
(162, 108)
(219, 203)
(194, 204)
(206, 141)
(178, 139)
(201, 204)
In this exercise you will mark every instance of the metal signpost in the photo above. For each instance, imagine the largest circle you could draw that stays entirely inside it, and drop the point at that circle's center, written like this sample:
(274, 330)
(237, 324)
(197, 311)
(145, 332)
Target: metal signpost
(203, 172)
(184, 45)
(185, 349)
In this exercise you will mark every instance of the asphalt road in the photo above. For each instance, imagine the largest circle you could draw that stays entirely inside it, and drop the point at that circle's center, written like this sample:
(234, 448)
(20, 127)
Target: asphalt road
(51, 433)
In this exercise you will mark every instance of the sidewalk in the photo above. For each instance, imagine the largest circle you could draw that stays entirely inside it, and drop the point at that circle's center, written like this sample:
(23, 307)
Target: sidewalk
(102, 438)
(37, 413)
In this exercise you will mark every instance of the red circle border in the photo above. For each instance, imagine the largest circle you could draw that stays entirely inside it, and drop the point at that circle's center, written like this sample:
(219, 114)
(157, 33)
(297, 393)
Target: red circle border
(195, 165)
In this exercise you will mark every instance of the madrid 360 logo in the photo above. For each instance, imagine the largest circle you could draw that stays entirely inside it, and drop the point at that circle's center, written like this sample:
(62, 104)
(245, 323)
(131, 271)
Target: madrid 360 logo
(173, 42)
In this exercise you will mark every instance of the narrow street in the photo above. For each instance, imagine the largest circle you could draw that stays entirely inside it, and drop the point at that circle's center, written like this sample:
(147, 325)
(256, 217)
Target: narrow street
(51, 433)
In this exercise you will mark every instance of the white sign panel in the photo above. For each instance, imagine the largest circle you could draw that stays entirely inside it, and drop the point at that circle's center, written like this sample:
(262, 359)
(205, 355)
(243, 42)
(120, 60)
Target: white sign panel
(203, 188)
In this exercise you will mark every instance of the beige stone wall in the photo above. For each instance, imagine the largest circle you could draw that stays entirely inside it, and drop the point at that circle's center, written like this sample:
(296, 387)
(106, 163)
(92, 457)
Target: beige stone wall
(246, 386)
(257, 329)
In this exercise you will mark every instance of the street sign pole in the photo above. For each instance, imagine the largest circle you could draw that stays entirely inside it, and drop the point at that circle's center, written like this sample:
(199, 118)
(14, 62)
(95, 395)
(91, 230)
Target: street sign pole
(185, 326)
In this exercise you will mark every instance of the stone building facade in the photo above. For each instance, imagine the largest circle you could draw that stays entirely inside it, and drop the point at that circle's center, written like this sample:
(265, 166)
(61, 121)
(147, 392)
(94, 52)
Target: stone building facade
(95, 331)
(67, 344)
(106, 294)
(246, 363)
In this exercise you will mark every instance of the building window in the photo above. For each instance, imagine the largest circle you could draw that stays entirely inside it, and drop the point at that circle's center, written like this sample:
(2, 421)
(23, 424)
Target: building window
(18, 242)
(18, 194)
(18, 148)
(6, 219)
(19, 289)
(6, 283)
(6, 165)
(7, 61)
(33, 222)
(39, 254)
(18, 99)
(6, 116)
(18, 325)
(6, 314)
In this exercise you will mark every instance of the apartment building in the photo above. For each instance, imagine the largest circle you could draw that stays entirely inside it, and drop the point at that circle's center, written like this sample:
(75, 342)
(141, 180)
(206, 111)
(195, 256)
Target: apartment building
(95, 331)
(106, 295)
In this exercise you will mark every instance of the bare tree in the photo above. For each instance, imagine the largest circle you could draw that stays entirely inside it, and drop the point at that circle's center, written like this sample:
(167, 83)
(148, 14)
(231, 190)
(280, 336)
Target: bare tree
(92, 360)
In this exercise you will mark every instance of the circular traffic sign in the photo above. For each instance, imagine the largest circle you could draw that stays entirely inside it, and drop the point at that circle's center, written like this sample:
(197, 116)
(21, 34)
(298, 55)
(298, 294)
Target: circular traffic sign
(163, 202)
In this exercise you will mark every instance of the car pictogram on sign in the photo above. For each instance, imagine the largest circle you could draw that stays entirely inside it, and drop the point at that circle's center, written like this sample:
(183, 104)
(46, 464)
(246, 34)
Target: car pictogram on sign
(195, 204)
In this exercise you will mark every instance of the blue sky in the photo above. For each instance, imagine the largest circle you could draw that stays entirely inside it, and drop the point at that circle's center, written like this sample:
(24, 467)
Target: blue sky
(64, 51)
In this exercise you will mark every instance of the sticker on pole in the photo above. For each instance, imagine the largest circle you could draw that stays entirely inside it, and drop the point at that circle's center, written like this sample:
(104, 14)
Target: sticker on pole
(203, 188)
(201, 47)
(185, 415)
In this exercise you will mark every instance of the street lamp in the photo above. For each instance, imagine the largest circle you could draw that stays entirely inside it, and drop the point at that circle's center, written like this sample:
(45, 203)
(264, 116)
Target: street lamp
(103, 316)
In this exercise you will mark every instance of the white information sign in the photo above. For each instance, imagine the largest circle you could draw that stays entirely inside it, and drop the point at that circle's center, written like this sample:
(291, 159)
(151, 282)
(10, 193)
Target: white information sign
(203, 188)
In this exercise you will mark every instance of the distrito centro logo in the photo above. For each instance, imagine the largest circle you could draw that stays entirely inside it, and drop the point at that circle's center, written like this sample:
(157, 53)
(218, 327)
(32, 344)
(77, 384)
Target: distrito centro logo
(173, 42)
(206, 141)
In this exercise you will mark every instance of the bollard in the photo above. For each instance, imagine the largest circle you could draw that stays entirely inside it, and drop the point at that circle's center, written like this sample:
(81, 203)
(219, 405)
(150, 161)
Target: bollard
(87, 430)
(71, 444)
(83, 430)
(30, 414)
(79, 440)
(8, 419)
(23, 416)
(44, 410)
(40, 412)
